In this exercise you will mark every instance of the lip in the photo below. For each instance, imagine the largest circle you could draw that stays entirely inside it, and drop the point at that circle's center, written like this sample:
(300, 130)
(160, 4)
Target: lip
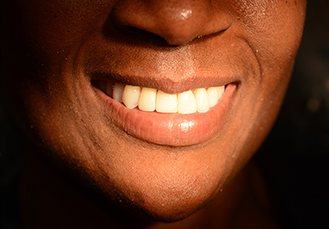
(171, 129)
(171, 85)
(171, 70)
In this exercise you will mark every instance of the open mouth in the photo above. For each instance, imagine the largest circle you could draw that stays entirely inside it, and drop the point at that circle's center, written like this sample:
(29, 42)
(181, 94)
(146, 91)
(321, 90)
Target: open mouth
(150, 99)
(187, 118)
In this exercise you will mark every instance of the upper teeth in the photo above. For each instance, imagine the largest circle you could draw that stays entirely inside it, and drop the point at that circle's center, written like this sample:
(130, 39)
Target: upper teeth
(149, 99)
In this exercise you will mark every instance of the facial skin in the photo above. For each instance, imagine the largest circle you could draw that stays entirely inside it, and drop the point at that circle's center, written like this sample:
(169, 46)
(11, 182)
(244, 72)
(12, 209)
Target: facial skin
(56, 49)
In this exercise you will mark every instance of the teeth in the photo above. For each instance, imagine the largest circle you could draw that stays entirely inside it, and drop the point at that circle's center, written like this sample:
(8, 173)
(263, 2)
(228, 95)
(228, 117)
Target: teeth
(130, 96)
(220, 91)
(166, 103)
(186, 103)
(118, 91)
(212, 96)
(201, 97)
(149, 99)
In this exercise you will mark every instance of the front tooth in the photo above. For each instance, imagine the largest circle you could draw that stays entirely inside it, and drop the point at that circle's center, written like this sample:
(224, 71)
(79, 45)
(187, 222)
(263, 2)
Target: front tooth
(147, 99)
(186, 103)
(220, 91)
(118, 91)
(212, 96)
(130, 96)
(166, 103)
(201, 98)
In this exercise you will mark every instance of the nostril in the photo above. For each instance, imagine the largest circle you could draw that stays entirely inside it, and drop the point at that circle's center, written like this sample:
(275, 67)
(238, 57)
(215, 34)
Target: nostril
(170, 22)
(143, 35)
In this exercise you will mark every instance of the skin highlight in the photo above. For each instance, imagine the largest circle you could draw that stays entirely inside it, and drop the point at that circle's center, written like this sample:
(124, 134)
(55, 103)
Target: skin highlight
(169, 45)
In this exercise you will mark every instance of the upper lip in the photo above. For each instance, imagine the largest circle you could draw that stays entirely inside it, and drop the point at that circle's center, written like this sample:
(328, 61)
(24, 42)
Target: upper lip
(177, 79)
(171, 70)
(168, 85)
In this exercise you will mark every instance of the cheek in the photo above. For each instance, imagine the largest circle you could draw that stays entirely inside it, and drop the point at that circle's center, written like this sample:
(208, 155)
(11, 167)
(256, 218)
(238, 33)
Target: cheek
(273, 32)
(284, 32)
(53, 27)
(272, 28)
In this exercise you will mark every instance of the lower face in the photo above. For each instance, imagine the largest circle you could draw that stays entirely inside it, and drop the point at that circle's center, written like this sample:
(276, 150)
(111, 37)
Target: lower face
(165, 164)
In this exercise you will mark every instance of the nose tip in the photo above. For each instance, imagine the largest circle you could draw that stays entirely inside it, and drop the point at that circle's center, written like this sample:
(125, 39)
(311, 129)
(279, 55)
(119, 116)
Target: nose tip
(177, 22)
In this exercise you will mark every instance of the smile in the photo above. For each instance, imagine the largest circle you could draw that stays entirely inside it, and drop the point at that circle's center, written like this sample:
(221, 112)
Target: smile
(182, 119)
(150, 99)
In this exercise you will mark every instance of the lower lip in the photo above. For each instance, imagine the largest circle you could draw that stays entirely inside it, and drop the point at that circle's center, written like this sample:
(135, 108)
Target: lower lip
(171, 129)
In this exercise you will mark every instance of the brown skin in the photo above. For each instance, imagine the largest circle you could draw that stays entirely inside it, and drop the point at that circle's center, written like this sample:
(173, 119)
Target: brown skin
(50, 45)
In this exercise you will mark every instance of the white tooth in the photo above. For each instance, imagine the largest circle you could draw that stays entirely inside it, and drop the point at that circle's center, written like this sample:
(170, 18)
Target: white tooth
(118, 91)
(201, 98)
(212, 96)
(220, 91)
(147, 99)
(166, 103)
(186, 103)
(130, 96)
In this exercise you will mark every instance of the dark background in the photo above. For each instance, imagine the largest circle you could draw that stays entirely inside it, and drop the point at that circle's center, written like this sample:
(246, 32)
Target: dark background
(295, 156)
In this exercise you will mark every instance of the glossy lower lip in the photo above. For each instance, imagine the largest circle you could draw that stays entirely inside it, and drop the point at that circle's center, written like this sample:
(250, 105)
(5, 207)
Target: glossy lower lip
(170, 129)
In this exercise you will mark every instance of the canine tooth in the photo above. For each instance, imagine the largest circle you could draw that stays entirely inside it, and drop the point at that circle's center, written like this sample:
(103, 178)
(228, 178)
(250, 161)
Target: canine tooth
(147, 99)
(130, 96)
(118, 91)
(212, 96)
(166, 103)
(186, 103)
(201, 98)
(220, 91)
